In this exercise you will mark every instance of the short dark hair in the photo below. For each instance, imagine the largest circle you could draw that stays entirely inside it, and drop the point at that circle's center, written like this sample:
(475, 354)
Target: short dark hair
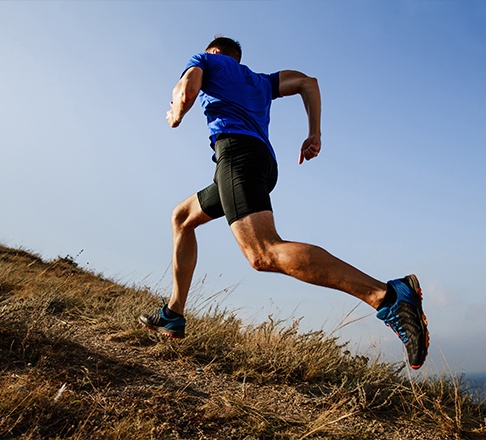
(227, 46)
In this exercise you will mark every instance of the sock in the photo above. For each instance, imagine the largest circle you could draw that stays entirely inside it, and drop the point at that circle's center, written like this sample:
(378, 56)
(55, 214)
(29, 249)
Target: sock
(390, 297)
(170, 313)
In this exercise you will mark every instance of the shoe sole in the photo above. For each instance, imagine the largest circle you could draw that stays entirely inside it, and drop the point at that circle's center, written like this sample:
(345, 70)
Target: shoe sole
(175, 334)
(414, 284)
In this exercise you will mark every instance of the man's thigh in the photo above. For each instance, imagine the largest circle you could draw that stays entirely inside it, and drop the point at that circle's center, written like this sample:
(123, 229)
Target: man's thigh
(210, 201)
(255, 233)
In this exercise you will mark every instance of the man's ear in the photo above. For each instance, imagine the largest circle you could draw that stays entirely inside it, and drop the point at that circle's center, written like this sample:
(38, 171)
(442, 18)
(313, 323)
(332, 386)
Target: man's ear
(213, 50)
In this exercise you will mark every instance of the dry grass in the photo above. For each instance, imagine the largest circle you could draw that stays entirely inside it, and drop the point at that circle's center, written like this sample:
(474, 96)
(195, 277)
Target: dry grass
(75, 364)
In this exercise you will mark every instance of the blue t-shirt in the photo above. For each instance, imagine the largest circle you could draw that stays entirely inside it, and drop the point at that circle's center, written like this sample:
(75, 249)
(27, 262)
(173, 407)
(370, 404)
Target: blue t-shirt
(234, 98)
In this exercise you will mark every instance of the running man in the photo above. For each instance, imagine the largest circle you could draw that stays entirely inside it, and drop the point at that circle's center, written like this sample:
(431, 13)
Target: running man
(236, 102)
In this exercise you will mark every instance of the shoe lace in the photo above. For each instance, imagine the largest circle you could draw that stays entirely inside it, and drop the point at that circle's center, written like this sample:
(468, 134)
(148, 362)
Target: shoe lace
(394, 323)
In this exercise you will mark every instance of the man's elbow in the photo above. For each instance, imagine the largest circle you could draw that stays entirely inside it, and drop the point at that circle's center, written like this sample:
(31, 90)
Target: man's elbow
(310, 83)
(186, 96)
(184, 92)
(187, 99)
(190, 94)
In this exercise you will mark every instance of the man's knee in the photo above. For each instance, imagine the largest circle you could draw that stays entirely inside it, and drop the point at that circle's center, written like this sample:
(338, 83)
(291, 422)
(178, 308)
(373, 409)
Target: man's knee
(188, 215)
(180, 214)
(258, 240)
(262, 261)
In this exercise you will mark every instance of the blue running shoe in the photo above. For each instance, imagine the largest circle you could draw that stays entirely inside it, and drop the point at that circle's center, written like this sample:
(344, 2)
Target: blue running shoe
(404, 315)
(159, 322)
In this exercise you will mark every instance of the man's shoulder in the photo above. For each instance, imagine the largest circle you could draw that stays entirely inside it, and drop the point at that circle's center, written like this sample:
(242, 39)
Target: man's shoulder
(198, 58)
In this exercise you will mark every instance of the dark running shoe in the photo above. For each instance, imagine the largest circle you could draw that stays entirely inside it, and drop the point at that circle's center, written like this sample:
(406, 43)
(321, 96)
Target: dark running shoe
(159, 322)
(406, 318)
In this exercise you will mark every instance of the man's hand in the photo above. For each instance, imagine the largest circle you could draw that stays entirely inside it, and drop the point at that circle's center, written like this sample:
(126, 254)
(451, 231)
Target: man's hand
(171, 118)
(310, 148)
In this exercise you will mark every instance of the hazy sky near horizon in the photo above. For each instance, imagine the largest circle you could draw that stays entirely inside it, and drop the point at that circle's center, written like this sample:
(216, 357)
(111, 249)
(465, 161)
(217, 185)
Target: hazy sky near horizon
(88, 162)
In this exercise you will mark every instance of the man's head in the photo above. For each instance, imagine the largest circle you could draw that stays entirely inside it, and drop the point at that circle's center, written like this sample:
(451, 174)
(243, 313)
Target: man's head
(226, 46)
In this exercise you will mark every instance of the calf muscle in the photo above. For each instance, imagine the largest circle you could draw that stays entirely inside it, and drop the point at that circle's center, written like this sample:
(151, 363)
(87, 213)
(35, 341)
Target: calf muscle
(266, 251)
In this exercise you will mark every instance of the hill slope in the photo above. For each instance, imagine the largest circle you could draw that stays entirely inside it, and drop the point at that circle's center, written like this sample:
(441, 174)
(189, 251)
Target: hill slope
(75, 363)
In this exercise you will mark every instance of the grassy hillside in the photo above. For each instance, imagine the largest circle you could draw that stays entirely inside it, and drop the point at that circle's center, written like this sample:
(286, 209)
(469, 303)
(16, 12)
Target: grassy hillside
(75, 364)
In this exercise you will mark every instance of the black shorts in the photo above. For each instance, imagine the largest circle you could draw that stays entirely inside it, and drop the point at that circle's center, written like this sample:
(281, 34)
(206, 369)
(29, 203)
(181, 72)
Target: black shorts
(246, 173)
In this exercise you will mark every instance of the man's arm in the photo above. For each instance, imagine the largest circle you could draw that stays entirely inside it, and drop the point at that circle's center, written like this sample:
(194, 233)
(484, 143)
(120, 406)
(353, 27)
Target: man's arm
(184, 94)
(292, 82)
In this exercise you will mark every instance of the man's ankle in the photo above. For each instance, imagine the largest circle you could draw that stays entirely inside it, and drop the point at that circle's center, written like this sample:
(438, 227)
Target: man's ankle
(171, 314)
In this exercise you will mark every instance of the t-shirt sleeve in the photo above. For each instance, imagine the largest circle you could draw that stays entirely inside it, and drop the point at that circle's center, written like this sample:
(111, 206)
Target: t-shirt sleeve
(195, 61)
(275, 82)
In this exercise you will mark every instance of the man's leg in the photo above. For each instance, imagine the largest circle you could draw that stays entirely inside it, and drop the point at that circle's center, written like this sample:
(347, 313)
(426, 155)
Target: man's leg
(186, 217)
(399, 302)
(169, 320)
(266, 251)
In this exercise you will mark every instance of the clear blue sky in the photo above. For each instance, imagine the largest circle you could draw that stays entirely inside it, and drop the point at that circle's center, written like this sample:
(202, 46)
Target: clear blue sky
(88, 162)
